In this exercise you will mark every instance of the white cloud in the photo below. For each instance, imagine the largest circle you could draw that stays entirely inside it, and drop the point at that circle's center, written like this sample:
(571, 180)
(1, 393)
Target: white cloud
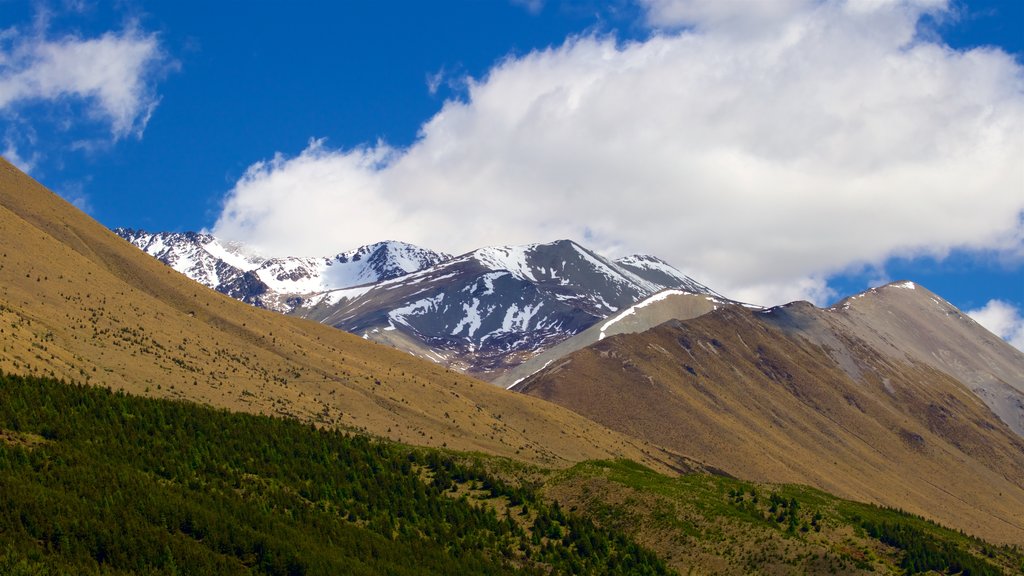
(1002, 319)
(112, 74)
(434, 81)
(307, 204)
(758, 163)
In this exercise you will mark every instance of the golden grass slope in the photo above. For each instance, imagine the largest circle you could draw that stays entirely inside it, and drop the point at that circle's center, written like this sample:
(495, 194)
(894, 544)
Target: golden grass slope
(738, 393)
(79, 303)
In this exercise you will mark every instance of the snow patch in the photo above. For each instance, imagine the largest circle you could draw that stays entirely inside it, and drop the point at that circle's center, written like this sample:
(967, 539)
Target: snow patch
(471, 319)
(417, 308)
(519, 320)
(234, 255)
(513, 259)
(632, 309)
(333, 297)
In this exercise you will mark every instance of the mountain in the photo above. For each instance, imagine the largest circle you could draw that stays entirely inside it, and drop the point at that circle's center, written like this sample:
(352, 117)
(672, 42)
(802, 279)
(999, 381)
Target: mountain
(279, 284)
(491, 309)
(79, 303)
(841, 399)
(485, 312)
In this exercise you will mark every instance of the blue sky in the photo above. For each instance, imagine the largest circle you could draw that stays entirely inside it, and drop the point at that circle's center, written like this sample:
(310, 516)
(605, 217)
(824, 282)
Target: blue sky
(774, 150)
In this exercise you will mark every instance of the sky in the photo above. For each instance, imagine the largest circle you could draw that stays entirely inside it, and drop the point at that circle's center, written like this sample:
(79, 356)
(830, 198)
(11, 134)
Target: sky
(774, 150)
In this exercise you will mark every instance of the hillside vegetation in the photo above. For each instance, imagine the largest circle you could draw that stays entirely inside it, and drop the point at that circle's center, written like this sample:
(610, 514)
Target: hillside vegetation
(708, 524)
(100, 482)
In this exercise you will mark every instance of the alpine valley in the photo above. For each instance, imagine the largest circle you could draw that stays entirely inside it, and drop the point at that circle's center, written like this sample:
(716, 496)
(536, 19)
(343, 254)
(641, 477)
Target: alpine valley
(219, 421)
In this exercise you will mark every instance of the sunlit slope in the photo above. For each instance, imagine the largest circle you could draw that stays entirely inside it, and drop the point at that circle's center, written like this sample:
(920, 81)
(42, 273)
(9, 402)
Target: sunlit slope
(77, 302)
(735, 390)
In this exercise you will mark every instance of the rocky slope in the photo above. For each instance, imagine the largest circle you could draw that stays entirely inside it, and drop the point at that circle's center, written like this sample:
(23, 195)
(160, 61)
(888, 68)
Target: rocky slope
(907, 322)
(657, 309)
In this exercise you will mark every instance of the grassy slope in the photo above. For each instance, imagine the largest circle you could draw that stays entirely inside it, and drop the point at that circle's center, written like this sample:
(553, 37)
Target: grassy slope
(715, 524)
(77, 302)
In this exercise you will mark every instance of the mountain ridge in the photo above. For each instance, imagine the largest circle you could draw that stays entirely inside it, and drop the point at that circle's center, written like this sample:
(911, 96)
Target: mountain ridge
(491, 309)
(484, 312)
(277, 283)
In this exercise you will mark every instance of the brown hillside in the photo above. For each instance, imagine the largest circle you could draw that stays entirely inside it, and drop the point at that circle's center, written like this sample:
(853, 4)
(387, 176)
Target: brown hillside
(735, 391)
(79, 303)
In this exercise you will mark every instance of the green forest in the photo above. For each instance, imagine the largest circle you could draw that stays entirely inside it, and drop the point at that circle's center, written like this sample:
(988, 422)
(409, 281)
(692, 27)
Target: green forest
(98, 482)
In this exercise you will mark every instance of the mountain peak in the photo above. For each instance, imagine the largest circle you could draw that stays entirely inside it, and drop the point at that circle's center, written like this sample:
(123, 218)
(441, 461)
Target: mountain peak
(899, 288)
(494, 307)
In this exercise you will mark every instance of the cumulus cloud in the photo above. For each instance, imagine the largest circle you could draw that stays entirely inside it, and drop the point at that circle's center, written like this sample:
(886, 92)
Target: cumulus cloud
(297, 205)
(112, 74)
(760, 163)
(1002, 319)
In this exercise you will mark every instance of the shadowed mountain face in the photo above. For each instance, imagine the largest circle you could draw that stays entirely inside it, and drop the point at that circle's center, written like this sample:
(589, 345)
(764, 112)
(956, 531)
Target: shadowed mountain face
(799, 394)
(489, 310)
(79, 303)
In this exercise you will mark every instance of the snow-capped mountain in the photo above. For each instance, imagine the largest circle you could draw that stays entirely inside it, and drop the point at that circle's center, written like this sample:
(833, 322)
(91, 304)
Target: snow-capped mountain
(494, 307)
(277, 283)
(484, 312)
